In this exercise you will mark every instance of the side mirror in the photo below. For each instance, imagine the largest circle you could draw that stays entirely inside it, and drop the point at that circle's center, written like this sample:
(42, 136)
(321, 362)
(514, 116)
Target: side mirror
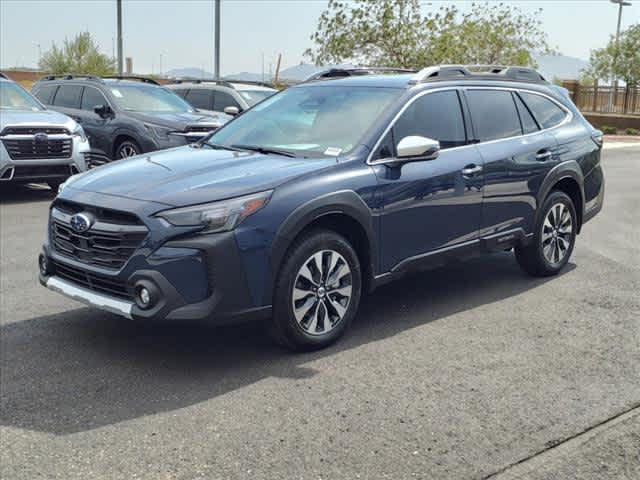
(415, 147)
(232, 111)
(102, 110)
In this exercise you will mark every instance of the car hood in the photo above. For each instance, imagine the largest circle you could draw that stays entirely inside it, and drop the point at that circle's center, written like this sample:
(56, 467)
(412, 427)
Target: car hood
(40, 118)
(180, 121)
(186, 176)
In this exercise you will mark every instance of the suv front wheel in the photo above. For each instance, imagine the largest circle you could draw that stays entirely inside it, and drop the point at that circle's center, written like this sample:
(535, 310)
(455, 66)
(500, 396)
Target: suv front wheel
(317, 291)
(554, 238)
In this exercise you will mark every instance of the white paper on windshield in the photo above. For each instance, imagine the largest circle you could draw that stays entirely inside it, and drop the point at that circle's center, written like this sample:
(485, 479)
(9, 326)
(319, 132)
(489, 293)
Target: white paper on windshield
(333, 151)
(116, 92)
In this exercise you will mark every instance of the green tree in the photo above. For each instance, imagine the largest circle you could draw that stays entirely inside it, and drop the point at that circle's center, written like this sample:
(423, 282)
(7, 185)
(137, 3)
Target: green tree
(621, 60)
(80, 55)
(399, 33)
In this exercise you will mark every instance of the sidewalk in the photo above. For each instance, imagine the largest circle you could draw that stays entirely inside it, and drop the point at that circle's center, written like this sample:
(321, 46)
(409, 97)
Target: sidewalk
(620, 141)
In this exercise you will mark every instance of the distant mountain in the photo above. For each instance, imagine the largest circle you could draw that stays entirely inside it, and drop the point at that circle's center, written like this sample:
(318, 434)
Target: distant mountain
(188, 73)
(560, 66)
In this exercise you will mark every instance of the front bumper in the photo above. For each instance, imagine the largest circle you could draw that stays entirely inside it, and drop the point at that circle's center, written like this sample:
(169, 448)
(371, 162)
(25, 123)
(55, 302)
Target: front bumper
(196, 278)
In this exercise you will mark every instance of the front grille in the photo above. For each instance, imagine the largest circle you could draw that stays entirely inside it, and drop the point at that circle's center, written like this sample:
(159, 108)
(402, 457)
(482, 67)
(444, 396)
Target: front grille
(34, 130)
(92, 281)
(109, 243)
(31, 149)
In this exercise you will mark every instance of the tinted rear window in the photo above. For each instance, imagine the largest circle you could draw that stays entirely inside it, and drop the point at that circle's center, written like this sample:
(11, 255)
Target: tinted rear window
(546, 112)
(68, 96)
(200, 99)
(45, 93)
(494, 114)
(436, 115)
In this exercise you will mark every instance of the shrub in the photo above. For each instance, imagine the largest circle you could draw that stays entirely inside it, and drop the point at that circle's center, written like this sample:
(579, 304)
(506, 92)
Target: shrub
(608, 130)
(632, 131)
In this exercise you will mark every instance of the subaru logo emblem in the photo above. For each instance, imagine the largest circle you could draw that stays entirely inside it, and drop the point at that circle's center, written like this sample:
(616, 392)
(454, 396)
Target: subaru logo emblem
(81, 222)
(41, 137)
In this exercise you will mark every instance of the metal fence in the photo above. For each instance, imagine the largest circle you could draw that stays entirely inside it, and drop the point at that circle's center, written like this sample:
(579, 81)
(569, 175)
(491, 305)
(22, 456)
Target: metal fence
(600, 99)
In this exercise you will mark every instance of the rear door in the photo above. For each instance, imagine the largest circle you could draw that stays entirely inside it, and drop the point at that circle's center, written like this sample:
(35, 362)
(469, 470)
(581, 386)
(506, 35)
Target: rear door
(431, 205)
(67, 99)
(517, 155)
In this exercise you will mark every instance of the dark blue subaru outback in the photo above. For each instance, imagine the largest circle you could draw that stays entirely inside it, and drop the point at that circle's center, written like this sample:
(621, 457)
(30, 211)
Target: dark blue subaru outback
(321, 193)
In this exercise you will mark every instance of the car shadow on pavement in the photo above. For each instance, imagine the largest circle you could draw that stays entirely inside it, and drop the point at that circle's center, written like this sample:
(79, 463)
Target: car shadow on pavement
(84, 369)
(14, 194)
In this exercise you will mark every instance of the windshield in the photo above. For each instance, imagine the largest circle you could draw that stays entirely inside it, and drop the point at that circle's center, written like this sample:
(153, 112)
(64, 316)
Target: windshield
(308, 121)
(13, 97)
(254, 96)
(144, 98)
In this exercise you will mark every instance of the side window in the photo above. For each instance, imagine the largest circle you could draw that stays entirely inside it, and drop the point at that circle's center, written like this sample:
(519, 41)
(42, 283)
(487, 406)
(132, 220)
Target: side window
(546, 112)
(92, 98)
(224, 100)
(435, 115)
(494, 114)
(529, 124)
(181, 92)
(45, 93)
(199, 98)
(68, 96)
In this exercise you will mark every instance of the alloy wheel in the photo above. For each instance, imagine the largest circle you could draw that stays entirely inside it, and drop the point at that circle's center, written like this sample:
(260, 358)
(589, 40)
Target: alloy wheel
(127, 150)
(557, 232)
(322, 292)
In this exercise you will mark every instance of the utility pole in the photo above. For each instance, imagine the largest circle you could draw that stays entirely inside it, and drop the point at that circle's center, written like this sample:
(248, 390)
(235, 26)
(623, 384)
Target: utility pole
(621, 4)
(216, 60)
(119, 15)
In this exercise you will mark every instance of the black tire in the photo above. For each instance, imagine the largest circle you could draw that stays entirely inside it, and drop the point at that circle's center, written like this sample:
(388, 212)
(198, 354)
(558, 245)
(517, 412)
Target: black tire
(284, 327)
(533, 258)
(54, 185)
(127, 148)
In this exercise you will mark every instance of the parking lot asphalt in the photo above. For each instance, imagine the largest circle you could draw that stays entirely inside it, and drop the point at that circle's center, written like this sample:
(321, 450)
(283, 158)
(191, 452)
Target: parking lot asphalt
(471, 371)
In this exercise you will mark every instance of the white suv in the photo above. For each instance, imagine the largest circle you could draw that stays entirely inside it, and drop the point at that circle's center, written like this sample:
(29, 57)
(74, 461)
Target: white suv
(230, 97)
(36, 144)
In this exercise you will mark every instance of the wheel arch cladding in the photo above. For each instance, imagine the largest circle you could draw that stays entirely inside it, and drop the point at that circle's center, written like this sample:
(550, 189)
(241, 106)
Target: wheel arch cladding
(342, 212)
(567, 177)
(122, 137)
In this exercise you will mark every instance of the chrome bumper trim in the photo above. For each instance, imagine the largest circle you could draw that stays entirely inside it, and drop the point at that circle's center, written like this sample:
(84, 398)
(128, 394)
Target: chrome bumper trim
(110, 304)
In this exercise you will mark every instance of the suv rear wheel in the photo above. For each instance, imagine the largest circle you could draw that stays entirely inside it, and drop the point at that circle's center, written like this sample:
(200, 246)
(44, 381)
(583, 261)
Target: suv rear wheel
(317, 292)
(554, 238)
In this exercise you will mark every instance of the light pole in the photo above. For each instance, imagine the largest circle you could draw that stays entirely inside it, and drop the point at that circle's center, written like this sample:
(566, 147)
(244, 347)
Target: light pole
(119, 20)
(621, 4)
(216, 47)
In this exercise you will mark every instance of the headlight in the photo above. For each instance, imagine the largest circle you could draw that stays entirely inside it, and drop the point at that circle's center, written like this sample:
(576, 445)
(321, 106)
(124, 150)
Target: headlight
(157, 131)
(217, 216)
(78, 131)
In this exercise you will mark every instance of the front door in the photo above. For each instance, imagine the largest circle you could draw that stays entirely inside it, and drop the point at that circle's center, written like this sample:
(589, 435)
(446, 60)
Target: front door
(99, 130)
(431, 205)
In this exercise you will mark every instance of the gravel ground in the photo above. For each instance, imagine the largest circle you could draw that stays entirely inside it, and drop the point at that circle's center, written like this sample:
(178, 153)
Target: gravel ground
(470, 371)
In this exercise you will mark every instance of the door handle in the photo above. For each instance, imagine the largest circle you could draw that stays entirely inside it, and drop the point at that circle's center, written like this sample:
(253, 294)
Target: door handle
(471, 170)
(543, 155)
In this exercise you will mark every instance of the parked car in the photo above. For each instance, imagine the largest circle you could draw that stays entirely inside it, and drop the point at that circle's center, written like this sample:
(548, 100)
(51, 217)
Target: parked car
(226, 96)
(327, 190)
(125, 116)
(36, 144)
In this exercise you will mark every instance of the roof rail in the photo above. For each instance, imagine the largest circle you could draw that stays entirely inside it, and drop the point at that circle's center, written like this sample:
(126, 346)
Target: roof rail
(223, 83)
(132, 77)
(479, 72)
(70, 76)
(339, 72)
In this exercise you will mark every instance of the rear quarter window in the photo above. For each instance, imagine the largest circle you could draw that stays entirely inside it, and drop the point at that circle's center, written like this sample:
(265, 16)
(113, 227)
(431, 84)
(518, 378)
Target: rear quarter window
(546, 112)
(45, 93)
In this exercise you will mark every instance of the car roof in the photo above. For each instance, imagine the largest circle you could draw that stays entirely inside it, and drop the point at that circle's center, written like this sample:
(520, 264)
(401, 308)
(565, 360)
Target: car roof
(234, 85)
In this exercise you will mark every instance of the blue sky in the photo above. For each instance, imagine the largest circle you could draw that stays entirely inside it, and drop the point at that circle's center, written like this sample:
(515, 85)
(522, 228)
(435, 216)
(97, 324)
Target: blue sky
(182, 30)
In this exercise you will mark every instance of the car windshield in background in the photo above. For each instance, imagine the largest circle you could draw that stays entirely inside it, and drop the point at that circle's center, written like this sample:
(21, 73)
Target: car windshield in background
(308, 121)
(143, 98)
(254, 96)
(12, 97)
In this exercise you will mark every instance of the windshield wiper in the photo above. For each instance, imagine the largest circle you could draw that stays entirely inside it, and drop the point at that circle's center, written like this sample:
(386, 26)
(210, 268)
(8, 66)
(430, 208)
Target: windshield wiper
(213, 146)
(266, 150)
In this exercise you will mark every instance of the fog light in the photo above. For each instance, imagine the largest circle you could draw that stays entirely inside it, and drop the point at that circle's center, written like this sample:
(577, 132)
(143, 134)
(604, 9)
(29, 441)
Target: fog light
(145, 296)
(43, 264)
